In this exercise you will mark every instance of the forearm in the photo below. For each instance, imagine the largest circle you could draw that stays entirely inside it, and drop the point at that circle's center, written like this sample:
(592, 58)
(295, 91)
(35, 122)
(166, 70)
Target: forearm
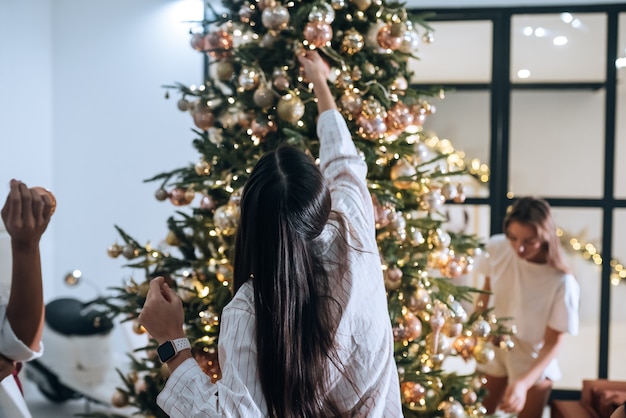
(548, 352)
(25, 310)
(325, 99)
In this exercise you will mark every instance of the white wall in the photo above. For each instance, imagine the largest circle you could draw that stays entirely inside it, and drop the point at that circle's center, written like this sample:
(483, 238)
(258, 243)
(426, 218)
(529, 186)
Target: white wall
(83, 113)
(26, 119)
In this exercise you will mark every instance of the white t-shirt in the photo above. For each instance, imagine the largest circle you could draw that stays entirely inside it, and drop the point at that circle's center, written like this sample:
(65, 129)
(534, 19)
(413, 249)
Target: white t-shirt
(535, 296)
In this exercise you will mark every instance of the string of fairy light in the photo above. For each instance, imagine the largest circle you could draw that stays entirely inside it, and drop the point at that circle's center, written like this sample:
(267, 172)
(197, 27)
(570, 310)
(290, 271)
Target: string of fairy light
(482, 173)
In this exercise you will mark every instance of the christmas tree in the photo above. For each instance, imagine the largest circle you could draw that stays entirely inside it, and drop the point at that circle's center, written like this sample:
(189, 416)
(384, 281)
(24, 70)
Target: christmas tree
(254, 98)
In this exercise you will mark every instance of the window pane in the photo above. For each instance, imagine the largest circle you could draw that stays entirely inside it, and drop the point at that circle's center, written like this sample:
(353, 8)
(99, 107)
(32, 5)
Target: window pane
(463, 119)
(581, 226)
(556, 143)
(450, 59)
(617, 330)
(620, 127)
(558, 48)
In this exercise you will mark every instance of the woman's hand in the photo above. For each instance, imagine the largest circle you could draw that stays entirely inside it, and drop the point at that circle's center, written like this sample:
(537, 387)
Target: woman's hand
(514, 397)
(26, 213)
(162, 314)
(315, 68)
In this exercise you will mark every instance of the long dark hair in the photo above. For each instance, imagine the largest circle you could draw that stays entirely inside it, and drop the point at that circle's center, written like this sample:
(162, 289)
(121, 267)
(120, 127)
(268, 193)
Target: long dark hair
(285, 205)
(536, 213)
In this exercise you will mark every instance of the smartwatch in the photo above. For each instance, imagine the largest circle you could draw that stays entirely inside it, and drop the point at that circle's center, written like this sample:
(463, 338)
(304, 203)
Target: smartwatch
(170, 348)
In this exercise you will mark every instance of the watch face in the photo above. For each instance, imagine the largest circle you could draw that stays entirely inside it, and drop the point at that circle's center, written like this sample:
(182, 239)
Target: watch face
(166, 351)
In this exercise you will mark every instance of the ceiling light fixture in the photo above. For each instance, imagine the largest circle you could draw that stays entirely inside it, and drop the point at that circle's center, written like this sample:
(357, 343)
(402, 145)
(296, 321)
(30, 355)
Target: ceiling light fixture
(559, 40)
(567, 17)
(524, 73)
(540, 32)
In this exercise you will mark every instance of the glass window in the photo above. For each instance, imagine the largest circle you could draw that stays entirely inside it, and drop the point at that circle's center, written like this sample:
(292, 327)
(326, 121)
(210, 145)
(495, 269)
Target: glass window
(461, 52)
(557, 143)
(617, 330)
(462, 117)
(620, 123)
(581, 227)
(565, 47)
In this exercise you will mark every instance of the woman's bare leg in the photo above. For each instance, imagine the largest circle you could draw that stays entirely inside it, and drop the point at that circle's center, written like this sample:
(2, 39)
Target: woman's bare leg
(495, 389)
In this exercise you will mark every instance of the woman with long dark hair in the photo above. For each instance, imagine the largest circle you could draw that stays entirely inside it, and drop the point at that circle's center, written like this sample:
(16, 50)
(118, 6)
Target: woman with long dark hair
(307, 333)
(531, 284)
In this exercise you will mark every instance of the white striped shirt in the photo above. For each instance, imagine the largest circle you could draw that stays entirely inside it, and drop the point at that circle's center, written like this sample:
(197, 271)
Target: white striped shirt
(364, 340)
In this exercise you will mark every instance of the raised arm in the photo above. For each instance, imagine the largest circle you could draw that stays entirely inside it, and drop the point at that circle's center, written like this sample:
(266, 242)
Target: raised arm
(26, 214)
(341, 165)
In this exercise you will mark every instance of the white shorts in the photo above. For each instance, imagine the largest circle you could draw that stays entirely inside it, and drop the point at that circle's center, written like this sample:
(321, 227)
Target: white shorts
(515, 363)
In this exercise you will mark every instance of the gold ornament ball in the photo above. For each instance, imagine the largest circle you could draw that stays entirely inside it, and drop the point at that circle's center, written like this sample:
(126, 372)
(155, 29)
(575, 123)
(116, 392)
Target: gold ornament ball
(464, 346)
(481, 328)
(138, 328)
(281, 83)
(161, 195)
(119, 399)
(290, 108)
(276, 17)
(197, 41)
(262, 126)
(183, 105)
(408, 328)
(226, 218)
(402, 169)
(452, 409)
(372, 127)
(224, 70)
(420, 300)
(114, 250)
(130, 252)
(338, 4)
(351, 104)
(393, 278)
(318, 34)
(352, 42)
(218, 44)
(45, 192)
(484, 352)
(203, 117)
(248, 78)
(181, 197)
(387, 40)
(172, 239)
(203, 168)
(263, 97)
